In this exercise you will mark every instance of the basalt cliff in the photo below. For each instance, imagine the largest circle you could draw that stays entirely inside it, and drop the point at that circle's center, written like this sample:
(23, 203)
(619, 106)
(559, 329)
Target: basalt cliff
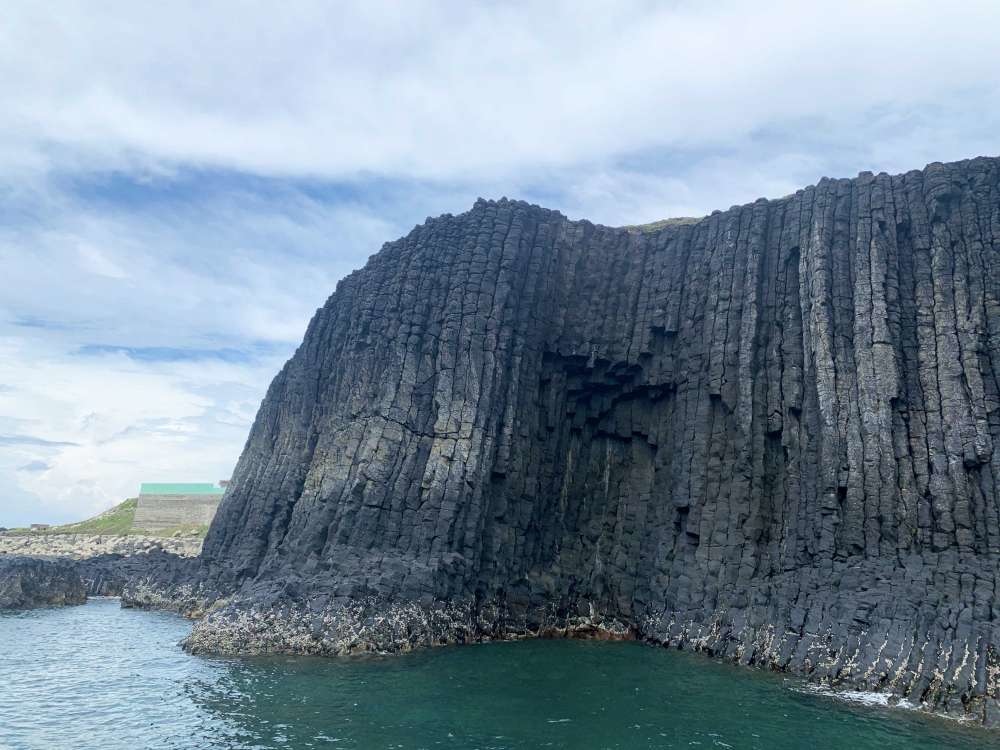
(769, 434)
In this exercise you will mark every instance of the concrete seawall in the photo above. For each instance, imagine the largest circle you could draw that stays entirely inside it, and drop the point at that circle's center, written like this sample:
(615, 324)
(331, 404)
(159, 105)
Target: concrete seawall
(162, 512)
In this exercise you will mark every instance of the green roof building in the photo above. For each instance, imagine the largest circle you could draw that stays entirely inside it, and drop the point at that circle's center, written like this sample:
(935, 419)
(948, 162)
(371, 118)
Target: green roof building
(175, 488)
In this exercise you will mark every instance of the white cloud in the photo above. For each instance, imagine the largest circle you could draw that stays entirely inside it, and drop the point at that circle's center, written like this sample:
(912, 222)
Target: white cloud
(455, 91)
(95, 261)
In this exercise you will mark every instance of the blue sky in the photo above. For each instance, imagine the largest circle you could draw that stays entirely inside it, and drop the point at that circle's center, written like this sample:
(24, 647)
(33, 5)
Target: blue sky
(182, 184)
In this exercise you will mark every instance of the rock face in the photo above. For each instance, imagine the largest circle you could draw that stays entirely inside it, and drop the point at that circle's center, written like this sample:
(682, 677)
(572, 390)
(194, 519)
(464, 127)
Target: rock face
(28, 582)
(106, 563)
(110, 574)
(769, 435)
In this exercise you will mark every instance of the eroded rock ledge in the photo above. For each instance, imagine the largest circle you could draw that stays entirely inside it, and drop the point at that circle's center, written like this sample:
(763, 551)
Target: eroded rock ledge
(768, 434)
(26, 583)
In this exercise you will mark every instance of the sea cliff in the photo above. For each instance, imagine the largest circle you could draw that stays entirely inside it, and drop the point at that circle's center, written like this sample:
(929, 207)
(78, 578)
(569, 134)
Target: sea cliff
(768, 435)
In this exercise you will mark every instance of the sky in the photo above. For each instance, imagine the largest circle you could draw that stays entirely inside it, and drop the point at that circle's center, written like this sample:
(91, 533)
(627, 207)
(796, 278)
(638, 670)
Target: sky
(182, 184)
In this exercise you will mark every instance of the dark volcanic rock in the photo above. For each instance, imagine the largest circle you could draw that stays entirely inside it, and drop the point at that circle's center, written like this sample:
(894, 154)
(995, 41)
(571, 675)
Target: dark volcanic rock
(30, 581)
(27, 582)
(111, 574)
(160, 581)
(768, 435)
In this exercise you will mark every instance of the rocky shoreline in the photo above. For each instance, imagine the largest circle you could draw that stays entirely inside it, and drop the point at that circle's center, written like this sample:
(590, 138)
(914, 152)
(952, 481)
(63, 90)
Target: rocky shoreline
(92, 545)
(838, 655)
(835, 654)
(104, 564)
(932, 656)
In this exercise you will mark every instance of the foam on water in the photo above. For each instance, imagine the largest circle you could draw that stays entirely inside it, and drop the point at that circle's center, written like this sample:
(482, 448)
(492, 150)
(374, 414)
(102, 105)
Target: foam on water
(875, 699)
(862, 697)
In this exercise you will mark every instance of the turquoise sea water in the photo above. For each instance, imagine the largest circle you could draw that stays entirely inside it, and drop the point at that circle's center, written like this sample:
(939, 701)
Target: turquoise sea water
(98, 676)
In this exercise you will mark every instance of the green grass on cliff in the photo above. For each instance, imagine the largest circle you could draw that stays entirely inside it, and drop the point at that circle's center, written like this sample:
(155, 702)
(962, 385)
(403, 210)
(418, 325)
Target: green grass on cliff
(114, 522)
(117, 521)
(653, 226)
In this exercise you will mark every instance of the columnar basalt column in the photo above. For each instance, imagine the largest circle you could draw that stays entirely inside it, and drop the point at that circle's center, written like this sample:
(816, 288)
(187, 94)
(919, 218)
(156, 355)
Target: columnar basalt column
(768, 434)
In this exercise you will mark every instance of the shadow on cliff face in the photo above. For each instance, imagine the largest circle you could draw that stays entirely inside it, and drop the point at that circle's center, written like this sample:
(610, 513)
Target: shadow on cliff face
(768, 435)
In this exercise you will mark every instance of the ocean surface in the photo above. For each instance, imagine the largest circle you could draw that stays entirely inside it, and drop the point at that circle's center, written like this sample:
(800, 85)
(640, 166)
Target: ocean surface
(98, 676)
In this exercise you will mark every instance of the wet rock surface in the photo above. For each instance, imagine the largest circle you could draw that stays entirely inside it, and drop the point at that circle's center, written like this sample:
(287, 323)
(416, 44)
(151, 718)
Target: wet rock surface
(27, 582)
(768, 435)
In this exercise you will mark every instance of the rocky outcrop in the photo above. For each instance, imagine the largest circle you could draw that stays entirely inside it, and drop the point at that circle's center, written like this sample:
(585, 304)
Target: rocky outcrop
(99, 575)
(768, 434)
(92, 545)
(111, 574)
(26, 583)
(106, 563)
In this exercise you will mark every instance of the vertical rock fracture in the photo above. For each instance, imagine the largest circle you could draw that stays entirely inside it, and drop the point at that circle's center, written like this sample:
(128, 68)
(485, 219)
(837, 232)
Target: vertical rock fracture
(768, 434)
